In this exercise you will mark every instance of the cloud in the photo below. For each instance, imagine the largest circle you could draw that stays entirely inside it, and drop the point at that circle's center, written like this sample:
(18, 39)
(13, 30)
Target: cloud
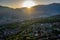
(19, 2)
(11, 2)
(46, 1)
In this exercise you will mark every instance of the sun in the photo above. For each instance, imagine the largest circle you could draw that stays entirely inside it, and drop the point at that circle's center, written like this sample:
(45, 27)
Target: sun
(28, 4)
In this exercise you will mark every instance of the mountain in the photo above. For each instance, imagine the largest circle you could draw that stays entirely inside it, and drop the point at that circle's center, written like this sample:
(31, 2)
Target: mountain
(8, 15)
(47, 10)
(43, 10)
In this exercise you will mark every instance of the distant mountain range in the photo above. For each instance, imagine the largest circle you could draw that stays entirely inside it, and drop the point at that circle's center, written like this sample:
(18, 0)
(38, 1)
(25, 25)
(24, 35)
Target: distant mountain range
(8, 15)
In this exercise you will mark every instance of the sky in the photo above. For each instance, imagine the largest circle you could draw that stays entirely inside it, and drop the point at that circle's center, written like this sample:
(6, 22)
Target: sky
(18, 3)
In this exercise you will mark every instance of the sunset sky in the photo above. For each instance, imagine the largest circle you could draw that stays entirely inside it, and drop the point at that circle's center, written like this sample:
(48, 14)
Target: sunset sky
(18, 3)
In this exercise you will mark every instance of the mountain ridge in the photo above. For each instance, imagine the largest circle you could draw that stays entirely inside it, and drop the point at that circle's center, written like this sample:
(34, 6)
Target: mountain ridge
(9, 14)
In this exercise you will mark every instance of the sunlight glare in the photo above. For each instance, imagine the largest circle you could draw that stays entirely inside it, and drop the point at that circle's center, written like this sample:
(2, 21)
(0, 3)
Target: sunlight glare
(28, 4)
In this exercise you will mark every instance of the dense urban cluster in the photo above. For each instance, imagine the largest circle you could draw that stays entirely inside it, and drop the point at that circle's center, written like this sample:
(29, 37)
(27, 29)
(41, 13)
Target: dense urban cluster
(37, 31)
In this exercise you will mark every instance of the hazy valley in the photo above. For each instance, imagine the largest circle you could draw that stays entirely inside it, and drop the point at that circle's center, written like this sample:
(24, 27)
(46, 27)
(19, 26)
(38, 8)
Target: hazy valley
(16, 23)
